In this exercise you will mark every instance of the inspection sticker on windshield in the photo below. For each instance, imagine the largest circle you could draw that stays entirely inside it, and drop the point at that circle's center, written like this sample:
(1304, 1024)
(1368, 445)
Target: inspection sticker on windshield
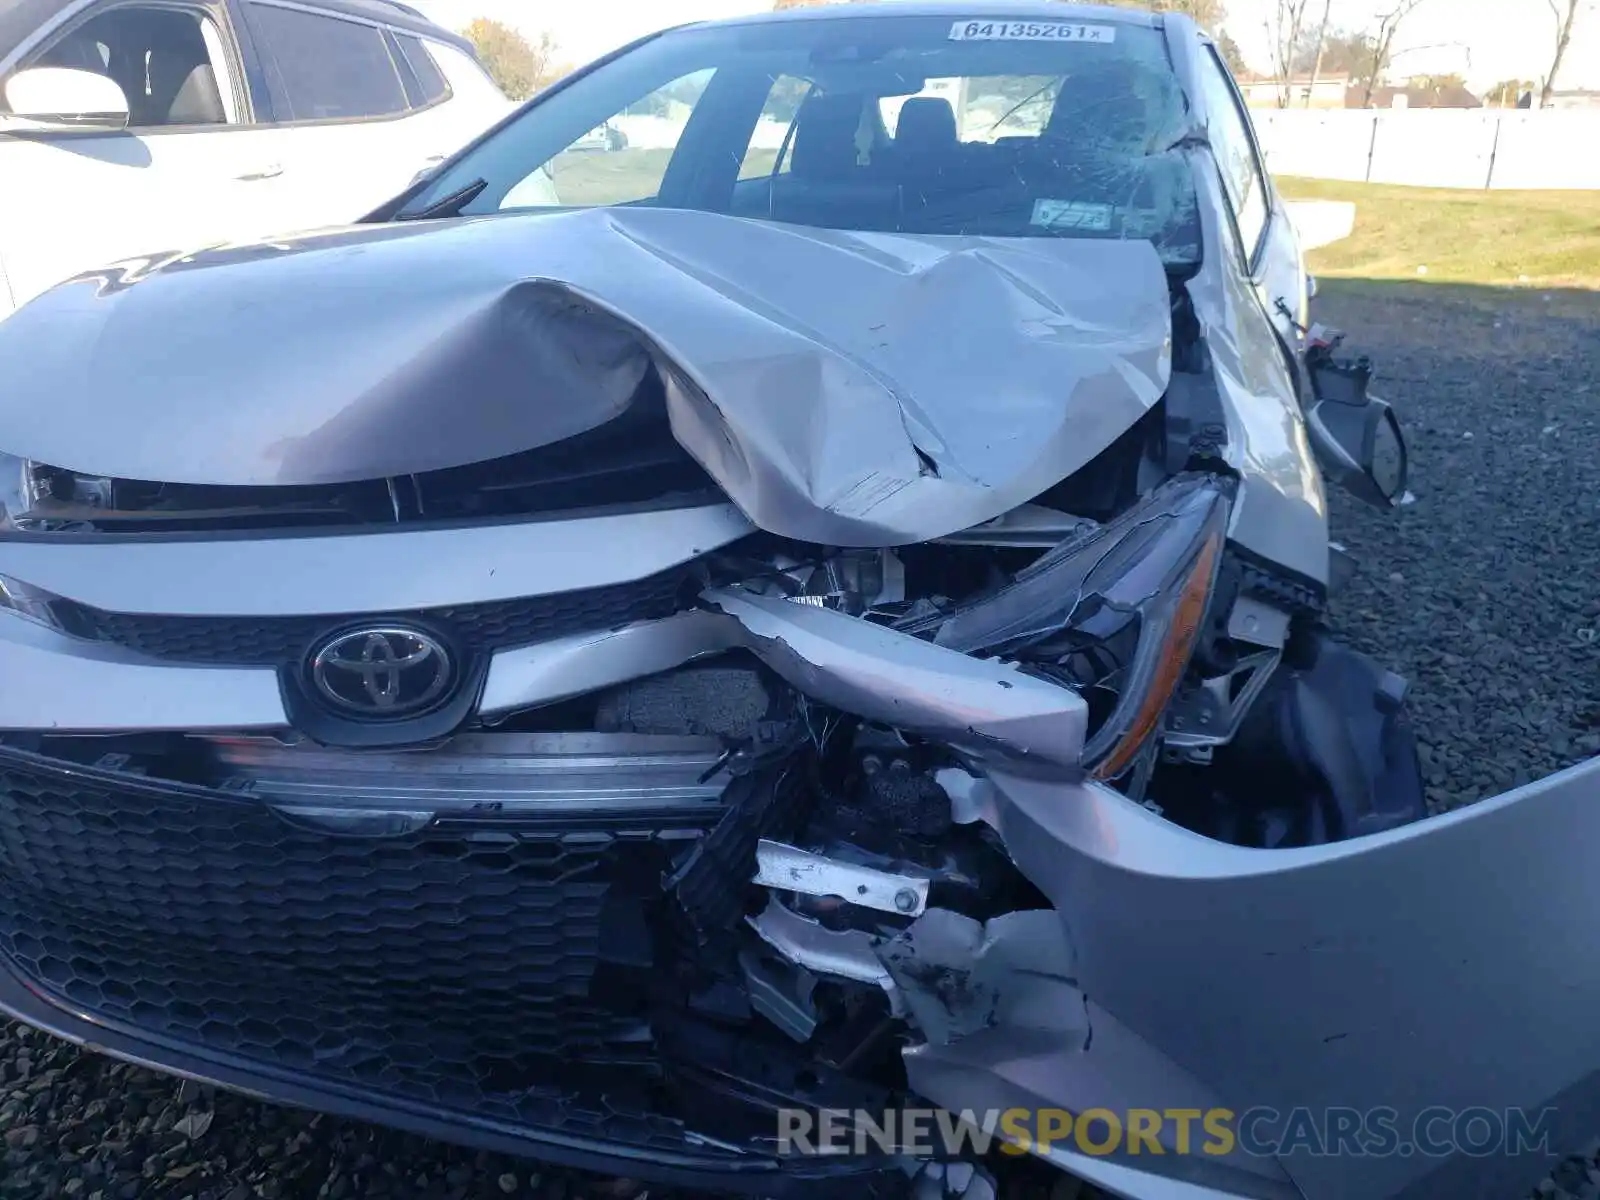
(1030, 31)
(1072, 214)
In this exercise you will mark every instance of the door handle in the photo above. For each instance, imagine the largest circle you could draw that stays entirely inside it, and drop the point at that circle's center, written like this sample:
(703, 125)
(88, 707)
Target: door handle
(270, 171)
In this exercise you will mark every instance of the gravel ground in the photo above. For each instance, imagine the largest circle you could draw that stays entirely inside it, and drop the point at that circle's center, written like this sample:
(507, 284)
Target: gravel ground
(1481, 592)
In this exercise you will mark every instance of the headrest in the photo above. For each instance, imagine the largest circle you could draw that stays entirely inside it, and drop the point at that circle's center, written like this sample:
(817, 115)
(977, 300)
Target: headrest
(926, 123)
(825, 137)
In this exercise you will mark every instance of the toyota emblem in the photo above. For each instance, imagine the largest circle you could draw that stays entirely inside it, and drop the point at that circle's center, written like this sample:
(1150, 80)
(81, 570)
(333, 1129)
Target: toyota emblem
(381, 672)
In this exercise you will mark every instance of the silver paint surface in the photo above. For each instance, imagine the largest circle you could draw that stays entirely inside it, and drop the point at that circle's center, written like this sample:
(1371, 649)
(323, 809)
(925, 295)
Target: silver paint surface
(1447, 964)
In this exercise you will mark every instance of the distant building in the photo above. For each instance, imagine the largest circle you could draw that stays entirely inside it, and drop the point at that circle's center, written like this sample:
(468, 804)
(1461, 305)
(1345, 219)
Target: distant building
(1449, 96)
(1327, 92)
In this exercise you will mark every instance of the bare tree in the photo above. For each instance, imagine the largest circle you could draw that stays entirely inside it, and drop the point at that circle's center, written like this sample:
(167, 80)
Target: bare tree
(1322, 40)
(1285, 23)
(1381, 44)
(1566, 15)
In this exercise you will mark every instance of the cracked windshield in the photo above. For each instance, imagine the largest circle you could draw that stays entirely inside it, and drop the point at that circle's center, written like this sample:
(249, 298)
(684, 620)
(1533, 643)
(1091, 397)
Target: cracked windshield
(905, 125)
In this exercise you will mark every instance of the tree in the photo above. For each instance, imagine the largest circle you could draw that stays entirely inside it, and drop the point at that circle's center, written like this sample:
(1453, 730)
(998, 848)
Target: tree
(1209, 14)
(1321, 41)
(1437, 83)
(1231, 54)
(1344, 52)
(1508, 93)
(1566, 14)
(1286, 30)
(1381, 44)
(1440, 91)
(519, 66)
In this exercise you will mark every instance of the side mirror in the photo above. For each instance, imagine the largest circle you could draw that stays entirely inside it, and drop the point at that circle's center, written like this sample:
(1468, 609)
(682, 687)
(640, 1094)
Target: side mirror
(63, 98)
(1356, 436)
(1362, 448)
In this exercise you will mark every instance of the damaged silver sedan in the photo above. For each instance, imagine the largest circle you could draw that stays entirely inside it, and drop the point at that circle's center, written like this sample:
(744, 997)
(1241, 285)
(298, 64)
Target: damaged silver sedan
(818, 613)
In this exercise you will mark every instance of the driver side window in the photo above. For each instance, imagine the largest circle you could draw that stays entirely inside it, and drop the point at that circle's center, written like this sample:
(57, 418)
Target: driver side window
(621, 161)
(1234, 148)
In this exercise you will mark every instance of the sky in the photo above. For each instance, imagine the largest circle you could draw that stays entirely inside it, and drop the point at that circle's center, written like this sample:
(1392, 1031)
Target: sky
(1485, 40)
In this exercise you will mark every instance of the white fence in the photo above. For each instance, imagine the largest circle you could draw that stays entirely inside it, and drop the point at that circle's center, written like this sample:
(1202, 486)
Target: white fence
(1461, 148)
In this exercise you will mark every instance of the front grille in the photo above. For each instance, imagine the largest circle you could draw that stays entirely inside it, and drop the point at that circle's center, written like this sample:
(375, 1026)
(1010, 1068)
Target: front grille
(456, 968)
(491, 625)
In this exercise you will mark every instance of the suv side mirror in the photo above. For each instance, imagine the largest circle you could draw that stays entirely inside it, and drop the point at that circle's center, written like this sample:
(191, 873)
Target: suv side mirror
(63, 98)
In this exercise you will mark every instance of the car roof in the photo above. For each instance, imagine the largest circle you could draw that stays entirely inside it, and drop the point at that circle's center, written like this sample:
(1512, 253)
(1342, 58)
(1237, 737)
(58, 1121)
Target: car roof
(20, 18)
(1027, 10)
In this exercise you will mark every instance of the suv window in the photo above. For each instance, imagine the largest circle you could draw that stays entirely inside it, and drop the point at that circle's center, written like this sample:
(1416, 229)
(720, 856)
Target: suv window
(885, 122)
(167, 61)
(325, 68)
(1235, 151)
(429, 80)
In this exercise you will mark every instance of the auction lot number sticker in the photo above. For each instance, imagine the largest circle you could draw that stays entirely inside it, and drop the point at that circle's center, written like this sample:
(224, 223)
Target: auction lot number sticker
(1030, 31)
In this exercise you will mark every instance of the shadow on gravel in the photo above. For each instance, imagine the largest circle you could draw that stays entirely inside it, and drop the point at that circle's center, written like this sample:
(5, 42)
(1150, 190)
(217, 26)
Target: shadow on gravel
(1483, 591)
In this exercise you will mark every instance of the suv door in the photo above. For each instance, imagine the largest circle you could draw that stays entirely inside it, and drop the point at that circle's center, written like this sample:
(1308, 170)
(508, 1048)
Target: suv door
(183, 174)
(360, 108)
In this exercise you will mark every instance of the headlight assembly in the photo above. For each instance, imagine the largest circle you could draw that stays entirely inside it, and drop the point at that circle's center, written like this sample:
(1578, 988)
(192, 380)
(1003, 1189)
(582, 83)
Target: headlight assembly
(1115, 613)
(20, 490)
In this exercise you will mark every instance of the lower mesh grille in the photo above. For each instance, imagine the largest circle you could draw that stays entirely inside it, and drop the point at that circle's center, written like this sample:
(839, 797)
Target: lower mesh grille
(450, 968)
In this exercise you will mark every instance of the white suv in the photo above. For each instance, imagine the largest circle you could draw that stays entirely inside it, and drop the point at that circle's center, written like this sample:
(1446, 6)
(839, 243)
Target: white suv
(130, 127)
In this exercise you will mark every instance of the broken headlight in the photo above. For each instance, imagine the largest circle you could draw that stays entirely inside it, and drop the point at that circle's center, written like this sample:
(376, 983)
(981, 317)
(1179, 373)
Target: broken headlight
(20, 490)
(35, 498)
(1114, 613)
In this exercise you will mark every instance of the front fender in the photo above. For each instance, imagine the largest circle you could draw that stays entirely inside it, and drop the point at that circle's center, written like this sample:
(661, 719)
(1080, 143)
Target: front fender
(1452, 964)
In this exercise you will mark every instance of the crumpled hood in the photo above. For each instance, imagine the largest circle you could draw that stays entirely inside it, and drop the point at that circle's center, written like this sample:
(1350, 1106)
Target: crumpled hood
(843, 388)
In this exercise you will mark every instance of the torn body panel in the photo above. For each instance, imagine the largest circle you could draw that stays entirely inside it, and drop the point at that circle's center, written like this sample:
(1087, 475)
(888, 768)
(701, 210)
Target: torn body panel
(826, 395)
(1010, 1026)
(1411, 970)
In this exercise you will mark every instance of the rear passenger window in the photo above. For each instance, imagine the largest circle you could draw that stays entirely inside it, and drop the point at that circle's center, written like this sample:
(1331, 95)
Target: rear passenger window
(431, 86)
(322, 68)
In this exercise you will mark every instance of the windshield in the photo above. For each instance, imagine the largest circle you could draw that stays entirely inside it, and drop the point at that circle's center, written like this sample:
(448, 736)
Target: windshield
(907, 124)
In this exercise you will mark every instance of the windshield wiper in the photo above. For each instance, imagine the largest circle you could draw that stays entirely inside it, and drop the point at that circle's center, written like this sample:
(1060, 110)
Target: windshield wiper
(448, 206)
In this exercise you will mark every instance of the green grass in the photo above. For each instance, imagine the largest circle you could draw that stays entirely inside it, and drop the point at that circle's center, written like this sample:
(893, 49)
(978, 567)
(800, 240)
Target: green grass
(1500, 239)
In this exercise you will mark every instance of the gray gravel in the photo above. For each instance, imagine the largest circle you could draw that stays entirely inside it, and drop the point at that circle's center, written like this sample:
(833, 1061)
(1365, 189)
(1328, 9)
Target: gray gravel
(1481, 592)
